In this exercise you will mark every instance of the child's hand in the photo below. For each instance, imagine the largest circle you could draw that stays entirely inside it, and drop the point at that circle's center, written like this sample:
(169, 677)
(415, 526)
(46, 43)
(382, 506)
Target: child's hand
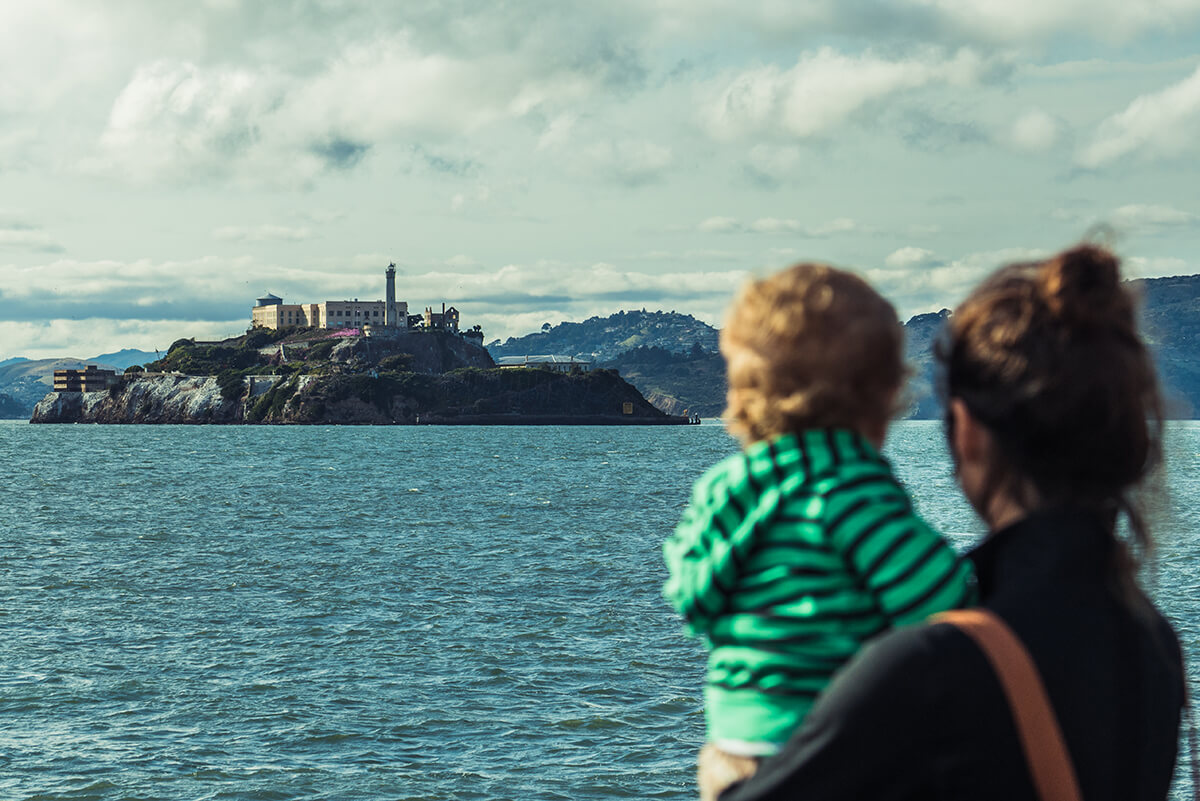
(717, 770)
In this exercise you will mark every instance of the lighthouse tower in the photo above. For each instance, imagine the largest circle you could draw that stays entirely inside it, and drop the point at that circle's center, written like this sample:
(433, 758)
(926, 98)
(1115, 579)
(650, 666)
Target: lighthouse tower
(389, 311)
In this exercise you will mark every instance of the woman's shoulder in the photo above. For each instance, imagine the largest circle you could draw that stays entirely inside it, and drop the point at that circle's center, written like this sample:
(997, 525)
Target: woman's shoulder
(907, 670)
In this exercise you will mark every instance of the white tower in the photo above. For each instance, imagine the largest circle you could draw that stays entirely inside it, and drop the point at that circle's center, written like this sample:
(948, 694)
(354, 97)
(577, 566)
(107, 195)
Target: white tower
(389, 311)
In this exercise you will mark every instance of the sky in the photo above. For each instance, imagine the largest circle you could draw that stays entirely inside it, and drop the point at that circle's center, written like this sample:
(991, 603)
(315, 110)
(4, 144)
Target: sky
(163, 163)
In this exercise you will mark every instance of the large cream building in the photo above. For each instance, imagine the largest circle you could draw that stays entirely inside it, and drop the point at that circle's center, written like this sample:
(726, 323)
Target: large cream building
(271, 312)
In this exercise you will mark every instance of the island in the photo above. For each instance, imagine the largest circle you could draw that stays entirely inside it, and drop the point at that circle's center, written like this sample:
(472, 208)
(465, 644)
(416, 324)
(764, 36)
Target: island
(322, 377)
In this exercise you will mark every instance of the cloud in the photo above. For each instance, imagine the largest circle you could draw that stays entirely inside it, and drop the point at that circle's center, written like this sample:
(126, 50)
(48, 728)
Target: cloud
(632, 162)
(922, 286)
(909, 257)
(181, 120)
(1161, 124)
(1142, 267)
(776, 225)
(82, 338)
(1132, 219)
(826, 88)
(1018, 21)
(1150, 218)
(719, 225)
(340, 153)
(24, 237)
(262, 233)
(1035, 131)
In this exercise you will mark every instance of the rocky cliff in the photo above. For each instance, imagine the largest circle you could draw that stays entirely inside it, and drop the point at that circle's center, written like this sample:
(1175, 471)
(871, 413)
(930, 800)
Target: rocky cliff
(464, 396)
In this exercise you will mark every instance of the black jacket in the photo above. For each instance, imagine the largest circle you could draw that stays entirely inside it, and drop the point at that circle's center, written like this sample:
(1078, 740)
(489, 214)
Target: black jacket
(919, 714)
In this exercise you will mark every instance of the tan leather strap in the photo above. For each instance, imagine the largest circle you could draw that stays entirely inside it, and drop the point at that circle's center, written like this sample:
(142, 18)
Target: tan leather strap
(1045, 751)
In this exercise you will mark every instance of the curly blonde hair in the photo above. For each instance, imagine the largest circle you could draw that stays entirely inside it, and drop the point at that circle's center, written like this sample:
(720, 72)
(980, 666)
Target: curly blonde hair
(810, 347)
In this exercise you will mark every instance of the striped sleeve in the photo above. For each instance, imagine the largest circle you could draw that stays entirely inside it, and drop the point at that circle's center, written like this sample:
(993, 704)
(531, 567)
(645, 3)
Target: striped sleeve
(703, 556)
(910, 571)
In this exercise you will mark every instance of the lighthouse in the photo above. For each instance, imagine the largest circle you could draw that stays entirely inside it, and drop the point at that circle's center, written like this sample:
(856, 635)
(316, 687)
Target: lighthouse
(389, 311)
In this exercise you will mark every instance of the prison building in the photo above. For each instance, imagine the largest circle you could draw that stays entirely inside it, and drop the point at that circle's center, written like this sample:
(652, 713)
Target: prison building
(90, 379)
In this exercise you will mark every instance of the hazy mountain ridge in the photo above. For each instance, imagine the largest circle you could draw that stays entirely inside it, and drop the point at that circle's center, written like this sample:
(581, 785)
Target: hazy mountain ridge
(602, 339)
(677, 378)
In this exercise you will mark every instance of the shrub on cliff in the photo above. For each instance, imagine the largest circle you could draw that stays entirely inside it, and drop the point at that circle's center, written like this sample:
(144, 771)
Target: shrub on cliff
(396, 363)
(232, 384)
(320, 351)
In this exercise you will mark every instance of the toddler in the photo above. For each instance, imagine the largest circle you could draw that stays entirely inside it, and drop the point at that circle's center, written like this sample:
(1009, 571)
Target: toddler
(796, 551)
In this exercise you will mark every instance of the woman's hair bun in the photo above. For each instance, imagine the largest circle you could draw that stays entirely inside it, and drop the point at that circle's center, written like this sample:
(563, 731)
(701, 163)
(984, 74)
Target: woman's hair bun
(1082, 288)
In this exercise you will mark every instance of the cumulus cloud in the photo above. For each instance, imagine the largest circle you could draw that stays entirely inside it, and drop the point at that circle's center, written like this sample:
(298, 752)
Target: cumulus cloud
(921, 286)
(1035, 131)
(826, 88)
(183, 120)
(177, 120)
(1160, 124)
(908, 256)
(719, 225)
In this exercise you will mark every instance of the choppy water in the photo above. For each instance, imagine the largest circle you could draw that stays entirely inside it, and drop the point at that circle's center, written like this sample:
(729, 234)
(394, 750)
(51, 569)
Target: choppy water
(377, 613)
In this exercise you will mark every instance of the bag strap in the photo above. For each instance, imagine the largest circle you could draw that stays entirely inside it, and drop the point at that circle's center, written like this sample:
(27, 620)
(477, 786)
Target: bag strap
(1041, 738)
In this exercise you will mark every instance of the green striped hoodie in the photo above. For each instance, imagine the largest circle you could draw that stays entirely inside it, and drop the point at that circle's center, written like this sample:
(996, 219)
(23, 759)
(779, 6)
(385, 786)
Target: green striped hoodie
(790, 556)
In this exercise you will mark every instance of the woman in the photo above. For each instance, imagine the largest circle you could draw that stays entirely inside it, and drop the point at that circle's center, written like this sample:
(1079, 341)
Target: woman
(1053, 417)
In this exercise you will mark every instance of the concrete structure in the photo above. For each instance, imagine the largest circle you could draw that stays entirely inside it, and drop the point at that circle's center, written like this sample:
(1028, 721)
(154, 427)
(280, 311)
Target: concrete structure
(271, 312)
(390, 312)
(91, 379)
(559, 364)
(281, 315)
(447, 320)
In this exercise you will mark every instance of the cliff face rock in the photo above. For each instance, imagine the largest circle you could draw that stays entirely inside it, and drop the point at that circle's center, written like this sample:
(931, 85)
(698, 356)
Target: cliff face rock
(470, 395)
(149, 399)
(424, 351)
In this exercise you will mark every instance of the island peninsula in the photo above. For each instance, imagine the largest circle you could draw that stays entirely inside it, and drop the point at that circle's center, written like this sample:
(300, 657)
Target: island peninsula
(351, 362)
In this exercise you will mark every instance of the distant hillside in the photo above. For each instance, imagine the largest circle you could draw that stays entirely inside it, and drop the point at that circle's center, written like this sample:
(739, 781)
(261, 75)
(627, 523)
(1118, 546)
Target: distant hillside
(604, 338)
(678, 383)
(11, 409)
(1171, 322)
(126, 357)
(675, 381)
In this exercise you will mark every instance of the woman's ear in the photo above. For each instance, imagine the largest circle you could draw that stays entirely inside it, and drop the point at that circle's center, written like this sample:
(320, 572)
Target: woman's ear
(970, 443)
(967, 435)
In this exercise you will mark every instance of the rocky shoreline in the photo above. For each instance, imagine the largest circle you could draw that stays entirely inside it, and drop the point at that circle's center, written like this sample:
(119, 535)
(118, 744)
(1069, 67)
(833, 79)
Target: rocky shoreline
(468, 396)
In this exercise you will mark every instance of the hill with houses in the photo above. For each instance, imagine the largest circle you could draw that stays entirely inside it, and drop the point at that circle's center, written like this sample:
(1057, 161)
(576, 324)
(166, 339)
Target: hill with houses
(672, 358)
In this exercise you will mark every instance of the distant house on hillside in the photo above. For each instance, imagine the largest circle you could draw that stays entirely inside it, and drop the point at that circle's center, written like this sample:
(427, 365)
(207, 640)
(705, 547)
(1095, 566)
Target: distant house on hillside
(559, 364)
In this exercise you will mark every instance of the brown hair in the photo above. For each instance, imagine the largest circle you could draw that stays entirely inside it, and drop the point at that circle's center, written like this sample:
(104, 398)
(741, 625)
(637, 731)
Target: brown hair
(1047, 356)
(810, 347)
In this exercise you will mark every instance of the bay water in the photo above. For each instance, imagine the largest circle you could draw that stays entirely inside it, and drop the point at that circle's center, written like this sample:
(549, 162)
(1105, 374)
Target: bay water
(382, 613)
